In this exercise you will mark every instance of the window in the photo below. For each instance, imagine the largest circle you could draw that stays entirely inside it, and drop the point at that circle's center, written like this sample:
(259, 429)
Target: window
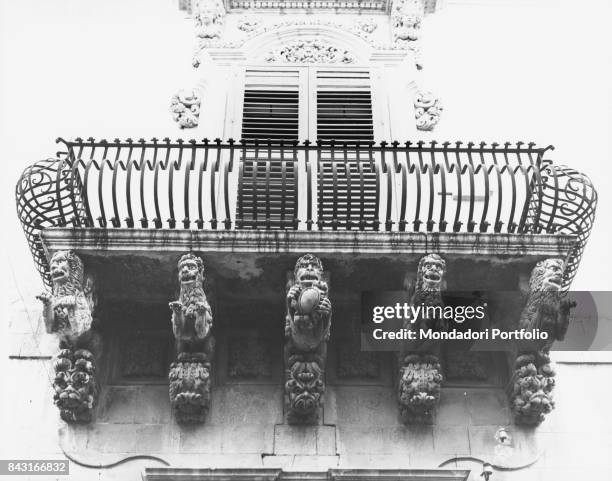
(283, 105)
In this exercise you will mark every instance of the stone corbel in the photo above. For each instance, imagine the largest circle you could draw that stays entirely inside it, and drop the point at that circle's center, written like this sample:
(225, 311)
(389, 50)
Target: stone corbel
(420, 374)
(68, 311)
(548, 309)
(190, 375)
(307, 330)
(427, 110)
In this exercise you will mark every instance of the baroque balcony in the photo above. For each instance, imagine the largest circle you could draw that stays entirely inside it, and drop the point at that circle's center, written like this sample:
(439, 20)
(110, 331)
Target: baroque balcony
(109, 219)
(341, 192)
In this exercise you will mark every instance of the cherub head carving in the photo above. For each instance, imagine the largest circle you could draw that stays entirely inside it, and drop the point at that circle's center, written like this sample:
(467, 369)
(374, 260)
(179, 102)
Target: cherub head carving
(308, 270)
(190, 269)
(547, 275)
(66, 268)
(430, 273)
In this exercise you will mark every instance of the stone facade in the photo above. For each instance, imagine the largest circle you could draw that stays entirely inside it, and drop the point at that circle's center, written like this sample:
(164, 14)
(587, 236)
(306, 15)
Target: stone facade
(174, 391)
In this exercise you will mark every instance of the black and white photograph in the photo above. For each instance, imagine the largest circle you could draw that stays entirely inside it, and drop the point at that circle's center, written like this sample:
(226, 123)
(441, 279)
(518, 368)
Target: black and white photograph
(306, 240)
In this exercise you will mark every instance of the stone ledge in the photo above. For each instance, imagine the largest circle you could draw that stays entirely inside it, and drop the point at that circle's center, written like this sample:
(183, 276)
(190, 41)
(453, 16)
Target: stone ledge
(344, 242)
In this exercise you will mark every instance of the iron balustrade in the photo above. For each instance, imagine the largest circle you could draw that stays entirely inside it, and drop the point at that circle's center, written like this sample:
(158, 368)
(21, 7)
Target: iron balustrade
(418, 187)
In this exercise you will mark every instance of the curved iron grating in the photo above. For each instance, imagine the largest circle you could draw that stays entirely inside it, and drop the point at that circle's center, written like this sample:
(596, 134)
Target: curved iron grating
(417, 187)
(568, 205)
(48, 193)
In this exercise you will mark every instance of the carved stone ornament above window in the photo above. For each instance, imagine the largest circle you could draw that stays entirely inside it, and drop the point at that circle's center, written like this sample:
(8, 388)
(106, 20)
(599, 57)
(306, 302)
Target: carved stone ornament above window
(310, 51)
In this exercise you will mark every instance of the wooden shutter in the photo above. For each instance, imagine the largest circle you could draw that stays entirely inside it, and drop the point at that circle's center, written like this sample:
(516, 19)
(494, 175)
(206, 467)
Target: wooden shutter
(348, 189)
(267, 184)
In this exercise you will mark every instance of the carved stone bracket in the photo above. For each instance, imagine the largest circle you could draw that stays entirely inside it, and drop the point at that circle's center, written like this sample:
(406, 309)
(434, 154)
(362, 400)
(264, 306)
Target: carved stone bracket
(189, 376)
(406, 19)
(420, 374)
(547, 309)
(68, 312)
(185, 108)
(307, 330)
(427, 110)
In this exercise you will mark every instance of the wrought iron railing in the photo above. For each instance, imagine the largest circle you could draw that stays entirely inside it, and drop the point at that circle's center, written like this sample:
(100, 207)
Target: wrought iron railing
(418, 187)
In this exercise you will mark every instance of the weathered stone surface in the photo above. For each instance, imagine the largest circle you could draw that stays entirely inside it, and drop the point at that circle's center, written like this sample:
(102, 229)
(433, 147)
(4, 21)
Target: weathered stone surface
(247, 404)
(134, 405)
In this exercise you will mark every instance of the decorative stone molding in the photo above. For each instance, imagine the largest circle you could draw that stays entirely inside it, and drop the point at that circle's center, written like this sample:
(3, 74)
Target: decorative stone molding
(68, 312)
(427, 110)
(546, 309)
(419, 371)
(209, 17)
(263, 28)
(185, 108)
(307, 330)
(191, 324)
(309, 5)
(310, 51)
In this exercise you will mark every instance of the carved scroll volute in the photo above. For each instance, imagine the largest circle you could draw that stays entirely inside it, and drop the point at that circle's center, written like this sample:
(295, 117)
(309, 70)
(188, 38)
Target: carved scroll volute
(68, 311)
(548, 309)
(307, 330)
(420, 374)
(189, 376)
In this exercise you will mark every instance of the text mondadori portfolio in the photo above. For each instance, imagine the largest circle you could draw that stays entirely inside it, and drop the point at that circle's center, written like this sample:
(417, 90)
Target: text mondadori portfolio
(470, 334)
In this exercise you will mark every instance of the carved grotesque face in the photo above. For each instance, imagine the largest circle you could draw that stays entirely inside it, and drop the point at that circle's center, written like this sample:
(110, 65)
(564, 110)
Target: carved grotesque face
(305, 387)
(308, 270)
(191, 269)
(75, 387)
(547, 275)
(431, 271)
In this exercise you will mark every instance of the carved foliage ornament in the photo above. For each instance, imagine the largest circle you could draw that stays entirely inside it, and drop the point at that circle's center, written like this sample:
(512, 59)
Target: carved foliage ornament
(191, 324)
(427, 110)
(307, 330)
(185, 108)
(419, 371)
(67, 311)
(310, 51)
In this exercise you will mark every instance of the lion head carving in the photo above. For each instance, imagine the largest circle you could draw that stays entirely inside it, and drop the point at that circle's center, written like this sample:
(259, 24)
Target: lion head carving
(66, 269)
(190, 269)
(430, 273)
(547, 275)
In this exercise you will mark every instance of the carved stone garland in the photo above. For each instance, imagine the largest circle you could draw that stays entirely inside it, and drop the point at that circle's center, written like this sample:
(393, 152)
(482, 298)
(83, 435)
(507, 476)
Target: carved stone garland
(420, 374)
(545, 309)
(307, 330)
(310, 51)
(185, 108)
(68, 312)
(427, 110)
(189, 376)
